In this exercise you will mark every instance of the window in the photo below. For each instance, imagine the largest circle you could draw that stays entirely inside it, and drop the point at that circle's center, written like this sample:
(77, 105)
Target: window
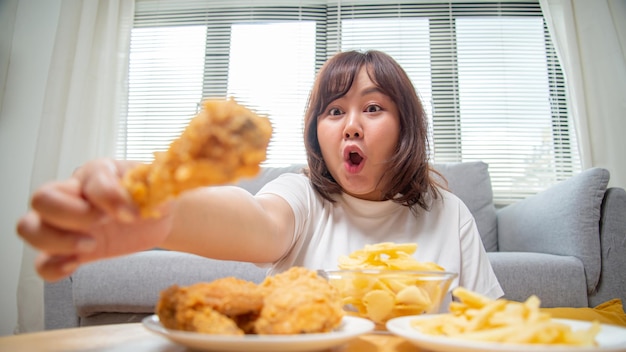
(486, 72)
(165, 86)
(277, 80)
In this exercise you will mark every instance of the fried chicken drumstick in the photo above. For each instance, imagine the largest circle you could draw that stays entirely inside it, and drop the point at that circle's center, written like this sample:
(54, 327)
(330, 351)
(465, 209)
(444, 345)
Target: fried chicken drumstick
(294, 302)
(222, 143)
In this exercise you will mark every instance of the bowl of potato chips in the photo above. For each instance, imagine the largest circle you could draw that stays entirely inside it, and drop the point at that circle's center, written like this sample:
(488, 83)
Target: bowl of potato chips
(384, 281)
(380, 295)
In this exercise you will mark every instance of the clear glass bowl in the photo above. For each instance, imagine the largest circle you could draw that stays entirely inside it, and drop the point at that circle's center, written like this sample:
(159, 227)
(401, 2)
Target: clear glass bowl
(380, 295)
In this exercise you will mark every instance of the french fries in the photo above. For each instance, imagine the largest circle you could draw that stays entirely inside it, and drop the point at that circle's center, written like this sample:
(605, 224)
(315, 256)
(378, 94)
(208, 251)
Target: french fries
(380, 288)
(476, 317)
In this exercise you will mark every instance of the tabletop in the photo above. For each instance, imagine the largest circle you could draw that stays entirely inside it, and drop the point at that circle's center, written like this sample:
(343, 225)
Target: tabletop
(136, 338)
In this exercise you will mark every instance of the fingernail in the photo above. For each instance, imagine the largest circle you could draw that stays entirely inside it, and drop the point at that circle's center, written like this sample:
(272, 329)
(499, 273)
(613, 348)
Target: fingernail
(86, 245)
(69, 267)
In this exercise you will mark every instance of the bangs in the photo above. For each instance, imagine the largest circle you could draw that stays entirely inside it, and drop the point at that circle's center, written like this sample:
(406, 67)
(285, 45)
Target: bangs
(337, 79)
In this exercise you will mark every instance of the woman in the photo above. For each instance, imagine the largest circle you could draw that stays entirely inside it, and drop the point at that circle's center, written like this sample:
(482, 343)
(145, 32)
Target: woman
(368, 181)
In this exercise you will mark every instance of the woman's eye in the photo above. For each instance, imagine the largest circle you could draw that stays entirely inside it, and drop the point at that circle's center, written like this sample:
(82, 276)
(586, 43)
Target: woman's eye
(373, 108)
(334, 112)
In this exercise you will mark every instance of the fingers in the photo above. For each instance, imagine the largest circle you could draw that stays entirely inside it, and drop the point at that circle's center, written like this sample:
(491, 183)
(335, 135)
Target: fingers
(72, 221)
(102, 188)
(54, 268)
(50, 239)
(61, 204)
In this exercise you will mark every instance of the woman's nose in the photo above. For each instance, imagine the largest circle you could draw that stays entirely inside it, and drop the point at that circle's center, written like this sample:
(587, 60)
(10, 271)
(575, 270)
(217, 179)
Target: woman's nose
(353, 127)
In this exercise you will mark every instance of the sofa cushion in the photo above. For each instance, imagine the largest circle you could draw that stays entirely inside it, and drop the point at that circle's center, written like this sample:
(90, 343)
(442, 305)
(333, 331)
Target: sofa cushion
(569, 212)
(470, 181)
(557, 280)
(132, 284)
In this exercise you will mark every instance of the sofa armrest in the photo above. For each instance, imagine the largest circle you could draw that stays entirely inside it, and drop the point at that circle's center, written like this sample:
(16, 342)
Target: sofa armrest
(562, 220)
(254, 184)
(59, 310)
(132, 283)
(541, 275)
(612, 282)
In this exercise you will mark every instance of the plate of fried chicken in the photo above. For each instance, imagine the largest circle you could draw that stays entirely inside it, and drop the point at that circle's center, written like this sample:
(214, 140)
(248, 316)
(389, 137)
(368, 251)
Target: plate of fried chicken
(296, 310)
(349, 328)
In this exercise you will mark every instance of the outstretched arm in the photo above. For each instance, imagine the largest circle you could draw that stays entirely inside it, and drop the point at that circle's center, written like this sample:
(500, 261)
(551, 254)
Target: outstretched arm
(90, 217)
(230, 223)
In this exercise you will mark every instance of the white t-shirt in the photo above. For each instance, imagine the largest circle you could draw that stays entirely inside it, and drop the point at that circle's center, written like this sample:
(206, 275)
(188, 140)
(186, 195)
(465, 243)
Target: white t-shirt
(446, 234)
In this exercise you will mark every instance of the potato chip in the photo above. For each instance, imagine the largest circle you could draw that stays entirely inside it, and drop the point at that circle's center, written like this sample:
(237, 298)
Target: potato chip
(395, 291)
(413, 295)
(386, 256)
(378, 304)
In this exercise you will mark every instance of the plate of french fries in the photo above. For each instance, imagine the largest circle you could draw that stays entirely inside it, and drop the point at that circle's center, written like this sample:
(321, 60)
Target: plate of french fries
(478, 323)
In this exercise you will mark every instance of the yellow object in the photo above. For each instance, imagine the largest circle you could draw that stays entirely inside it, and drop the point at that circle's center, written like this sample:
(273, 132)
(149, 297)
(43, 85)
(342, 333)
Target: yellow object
(388, 256)
(384, 281)
(609, 312)
(476, 317)
(222, 143)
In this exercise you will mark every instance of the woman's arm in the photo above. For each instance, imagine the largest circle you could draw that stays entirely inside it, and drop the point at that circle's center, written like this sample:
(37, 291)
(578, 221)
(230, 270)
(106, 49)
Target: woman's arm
(90, 217)
(230, 223)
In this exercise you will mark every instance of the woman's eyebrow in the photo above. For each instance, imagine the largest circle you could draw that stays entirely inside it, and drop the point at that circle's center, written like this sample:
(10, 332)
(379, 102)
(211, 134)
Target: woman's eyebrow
(371, 90)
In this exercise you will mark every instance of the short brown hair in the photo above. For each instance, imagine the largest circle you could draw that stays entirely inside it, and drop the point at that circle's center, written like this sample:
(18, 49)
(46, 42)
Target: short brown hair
(410, 160)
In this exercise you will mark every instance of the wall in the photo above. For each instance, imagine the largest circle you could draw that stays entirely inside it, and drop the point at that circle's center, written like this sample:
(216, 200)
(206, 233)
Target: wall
(27, 29)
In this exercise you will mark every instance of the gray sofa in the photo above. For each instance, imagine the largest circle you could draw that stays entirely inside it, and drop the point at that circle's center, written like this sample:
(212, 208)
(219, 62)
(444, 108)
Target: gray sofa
(567, 245)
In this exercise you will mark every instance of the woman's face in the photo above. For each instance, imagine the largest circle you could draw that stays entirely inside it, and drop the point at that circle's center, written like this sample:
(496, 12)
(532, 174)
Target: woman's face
(358, 134)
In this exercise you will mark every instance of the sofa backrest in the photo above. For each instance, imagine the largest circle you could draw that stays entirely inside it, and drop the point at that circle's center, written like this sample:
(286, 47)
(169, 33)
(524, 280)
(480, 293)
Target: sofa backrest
(470, 181)
(267, 174)
(570, 212)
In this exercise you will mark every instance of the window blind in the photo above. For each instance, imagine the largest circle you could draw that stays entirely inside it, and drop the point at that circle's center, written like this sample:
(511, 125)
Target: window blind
(486, 71)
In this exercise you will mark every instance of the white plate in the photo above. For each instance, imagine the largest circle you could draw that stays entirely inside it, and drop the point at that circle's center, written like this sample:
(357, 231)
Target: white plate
(610, 338)
(350, 328)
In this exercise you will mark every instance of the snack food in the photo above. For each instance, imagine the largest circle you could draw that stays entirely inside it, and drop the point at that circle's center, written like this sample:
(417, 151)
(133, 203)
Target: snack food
(387, 256)
(210, 307)
(477, 317)
(384, 281)
(294, 302)
(222, 143)
(298, 301)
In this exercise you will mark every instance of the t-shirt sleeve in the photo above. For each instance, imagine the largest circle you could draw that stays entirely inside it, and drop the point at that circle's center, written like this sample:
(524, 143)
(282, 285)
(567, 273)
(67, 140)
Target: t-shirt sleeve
(477, 273)
(295, 189)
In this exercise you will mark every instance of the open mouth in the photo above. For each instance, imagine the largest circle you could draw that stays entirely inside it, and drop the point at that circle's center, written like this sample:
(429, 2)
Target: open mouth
(355, 158)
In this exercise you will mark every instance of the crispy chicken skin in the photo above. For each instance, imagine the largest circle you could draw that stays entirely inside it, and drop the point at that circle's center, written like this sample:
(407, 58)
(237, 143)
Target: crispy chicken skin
(183, 308)
(210, 307)
(298, 301)
(222, 143)
(294, 302)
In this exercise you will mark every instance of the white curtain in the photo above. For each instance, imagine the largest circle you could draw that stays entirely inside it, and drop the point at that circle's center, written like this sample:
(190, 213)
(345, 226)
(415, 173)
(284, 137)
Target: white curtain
(590, 38)
(84, 97)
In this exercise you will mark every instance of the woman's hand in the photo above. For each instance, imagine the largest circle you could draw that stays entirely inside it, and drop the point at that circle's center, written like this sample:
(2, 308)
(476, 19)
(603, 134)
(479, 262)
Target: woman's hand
(87, 217)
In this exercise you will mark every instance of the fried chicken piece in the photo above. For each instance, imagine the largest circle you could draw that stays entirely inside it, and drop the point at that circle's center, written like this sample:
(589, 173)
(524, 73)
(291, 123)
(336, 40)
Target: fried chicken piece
(299, 301)
(217, 307)
(209, 321)
(222, 143)
(246, 322)
(294, 302)
(178, 311)
(230, 296)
